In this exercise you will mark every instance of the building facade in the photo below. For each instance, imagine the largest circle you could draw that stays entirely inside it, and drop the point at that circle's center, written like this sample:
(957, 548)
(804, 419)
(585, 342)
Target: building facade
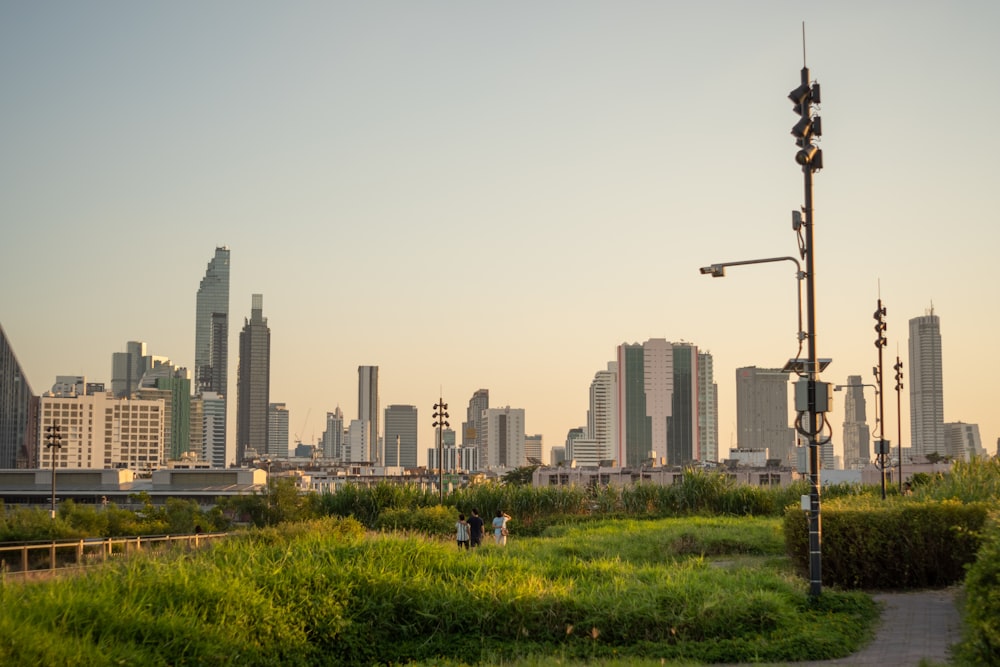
(708, 408)
(657, 403)
(99, 431)
(963, 441)
(253, 384)
(857, 434)
(213, 413)
(762, 412)
(368, 412)
(602, 415)
(473, 427)
(333, 436)
(401, 436)
(277, 430)
(926, 386)
(18, 411)
(211, 336)
(504, 431)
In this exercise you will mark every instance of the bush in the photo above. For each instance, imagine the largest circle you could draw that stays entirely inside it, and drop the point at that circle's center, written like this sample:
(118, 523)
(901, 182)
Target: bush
(896, 544)
(981, 644)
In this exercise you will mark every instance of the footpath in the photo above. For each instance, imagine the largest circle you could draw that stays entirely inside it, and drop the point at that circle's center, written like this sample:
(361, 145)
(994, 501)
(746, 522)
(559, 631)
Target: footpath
(915, 629)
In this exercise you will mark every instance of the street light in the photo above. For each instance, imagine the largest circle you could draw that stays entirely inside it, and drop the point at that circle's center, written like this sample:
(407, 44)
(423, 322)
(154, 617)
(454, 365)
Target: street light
(440, 415)
(53, 441)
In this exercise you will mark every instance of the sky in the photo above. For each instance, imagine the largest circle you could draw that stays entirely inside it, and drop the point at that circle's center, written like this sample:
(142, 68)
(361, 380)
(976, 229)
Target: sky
(497, 195)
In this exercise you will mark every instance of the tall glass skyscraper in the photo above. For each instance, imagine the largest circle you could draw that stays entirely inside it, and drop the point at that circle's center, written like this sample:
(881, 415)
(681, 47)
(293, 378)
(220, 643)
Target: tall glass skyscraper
(211, 354)
(926, 386)
(401, 436)
(253, 384)
(211, 335)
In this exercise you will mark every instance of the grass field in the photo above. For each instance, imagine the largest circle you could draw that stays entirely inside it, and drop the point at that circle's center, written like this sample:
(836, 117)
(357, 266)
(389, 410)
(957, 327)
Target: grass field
(328, 593)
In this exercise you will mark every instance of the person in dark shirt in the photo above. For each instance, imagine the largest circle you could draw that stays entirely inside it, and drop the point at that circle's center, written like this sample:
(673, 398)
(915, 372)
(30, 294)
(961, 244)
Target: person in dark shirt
(475, 528)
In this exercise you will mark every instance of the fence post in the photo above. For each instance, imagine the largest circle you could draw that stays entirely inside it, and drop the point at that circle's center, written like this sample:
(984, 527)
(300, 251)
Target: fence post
(24, 559)
(79, 552)
(52, 556)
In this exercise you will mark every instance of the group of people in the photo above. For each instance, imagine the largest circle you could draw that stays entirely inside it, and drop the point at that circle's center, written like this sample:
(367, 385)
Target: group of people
(470, 532)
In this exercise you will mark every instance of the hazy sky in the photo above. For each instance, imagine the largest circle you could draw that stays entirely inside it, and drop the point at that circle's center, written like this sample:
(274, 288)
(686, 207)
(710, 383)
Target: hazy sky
(496, 195)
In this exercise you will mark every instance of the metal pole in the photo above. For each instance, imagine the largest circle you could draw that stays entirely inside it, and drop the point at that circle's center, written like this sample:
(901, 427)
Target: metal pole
(883, 445)
(899, 419)
(815, 525)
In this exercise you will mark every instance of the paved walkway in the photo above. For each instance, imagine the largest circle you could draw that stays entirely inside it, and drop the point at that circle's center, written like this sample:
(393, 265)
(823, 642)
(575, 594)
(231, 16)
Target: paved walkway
(914, 627)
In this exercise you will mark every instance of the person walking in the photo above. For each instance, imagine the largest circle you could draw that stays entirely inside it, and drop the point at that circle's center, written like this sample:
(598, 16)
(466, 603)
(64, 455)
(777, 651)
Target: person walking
(476, 524)
(462, 532)
(500, 527)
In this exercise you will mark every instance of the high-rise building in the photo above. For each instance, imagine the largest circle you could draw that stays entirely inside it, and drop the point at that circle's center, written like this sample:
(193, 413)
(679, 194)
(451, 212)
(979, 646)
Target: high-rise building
(657, 402)
(401, 436)
(18, 411)
(602, 415)
(708, 408)
(857, 435)
(211, 338)
(277, 430)
(533, 445)
(333, 436)
(253, 384)
(127, 369)
(504, 431)
(762, 412)
(963, 441)
(473, 428)
(213, 412)
(356, 442)
(926, 386)
(368, 411)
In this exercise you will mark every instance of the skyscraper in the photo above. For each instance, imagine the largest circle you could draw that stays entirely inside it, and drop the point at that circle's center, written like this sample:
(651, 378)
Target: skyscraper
(211, 339)
(504, 431)
(401, 436)
(926, 386)
(762, 412)
(657, 402)
(708, 408)
(473, 430)
(253, 383)
(602, 417)
(18, 411)
(333, 436)
(277, 430)
(368, 402)
(127, 369)
(857, 435)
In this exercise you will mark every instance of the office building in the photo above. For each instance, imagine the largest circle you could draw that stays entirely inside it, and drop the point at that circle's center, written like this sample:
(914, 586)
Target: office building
(253, 384)
(708, 408)
(368, 413)
(213, 412)
(762, 417)
(857, 435)
(211, 338)
(127, 369)
(602, 414)
(533, 445)
(473, 428)
(333, 436)
(504, 435)
(356, 442)
(401, 436)
(657, 403)
(963, 441)
(18, 411)
(277, 431)
(926, 386)
(100, 431)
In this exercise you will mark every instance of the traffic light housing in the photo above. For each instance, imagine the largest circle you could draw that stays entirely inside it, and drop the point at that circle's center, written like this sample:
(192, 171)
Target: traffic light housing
(808, 126)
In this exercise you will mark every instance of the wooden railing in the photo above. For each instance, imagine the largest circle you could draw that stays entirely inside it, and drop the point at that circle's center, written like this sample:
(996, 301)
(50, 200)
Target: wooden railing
(38, 557)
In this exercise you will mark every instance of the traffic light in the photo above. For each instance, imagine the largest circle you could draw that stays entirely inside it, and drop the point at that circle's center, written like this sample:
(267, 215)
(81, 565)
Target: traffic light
(808, 126)
(880, 325)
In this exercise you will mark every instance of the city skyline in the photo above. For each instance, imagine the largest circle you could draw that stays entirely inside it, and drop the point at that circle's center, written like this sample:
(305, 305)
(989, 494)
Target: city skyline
(506, 194)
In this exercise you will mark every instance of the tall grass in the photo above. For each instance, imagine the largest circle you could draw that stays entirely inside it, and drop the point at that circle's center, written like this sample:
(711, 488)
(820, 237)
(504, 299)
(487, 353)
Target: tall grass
(322, 593)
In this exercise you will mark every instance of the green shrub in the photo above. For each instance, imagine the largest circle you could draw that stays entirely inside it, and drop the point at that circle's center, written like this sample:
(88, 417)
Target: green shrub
(893, 544)
(981, 641)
